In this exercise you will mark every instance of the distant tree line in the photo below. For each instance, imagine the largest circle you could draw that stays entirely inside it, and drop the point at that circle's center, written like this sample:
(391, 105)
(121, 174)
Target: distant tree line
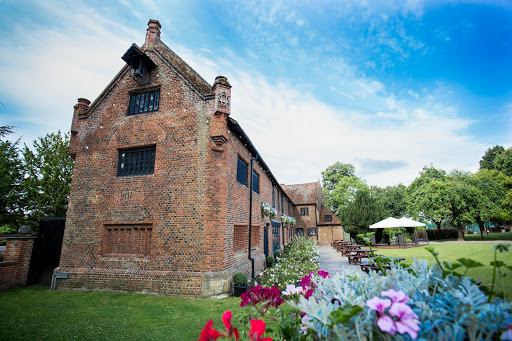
(435, 197)
(34, 182)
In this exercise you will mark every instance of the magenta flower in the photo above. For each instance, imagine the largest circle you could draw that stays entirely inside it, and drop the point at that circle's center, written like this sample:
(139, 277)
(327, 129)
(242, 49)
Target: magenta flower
(399, 317)
(262, 298)
(305, 282)
(323, 273)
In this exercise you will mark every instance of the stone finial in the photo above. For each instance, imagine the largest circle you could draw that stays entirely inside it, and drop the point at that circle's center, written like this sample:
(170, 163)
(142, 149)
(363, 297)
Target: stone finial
(81, 108)
(25, 229)
(222, 90)
(152, 33)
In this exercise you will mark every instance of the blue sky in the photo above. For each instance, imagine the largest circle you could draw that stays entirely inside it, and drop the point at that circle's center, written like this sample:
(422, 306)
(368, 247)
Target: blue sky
(389, 86)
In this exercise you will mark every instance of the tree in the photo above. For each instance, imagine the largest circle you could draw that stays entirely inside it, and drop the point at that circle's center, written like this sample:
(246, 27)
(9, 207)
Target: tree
(491, 184)
(11, 186)
(333, 174)
(426, 196)
(360, 213)
(489, 159)
(464, 198)
(339, 185)
(393, 198)
(504, 162)
(48, 170)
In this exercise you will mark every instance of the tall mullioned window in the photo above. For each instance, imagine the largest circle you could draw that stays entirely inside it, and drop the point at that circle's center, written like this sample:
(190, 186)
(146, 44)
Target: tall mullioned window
(136, 161)
(255, 182)
(144, 102)
(241, 172)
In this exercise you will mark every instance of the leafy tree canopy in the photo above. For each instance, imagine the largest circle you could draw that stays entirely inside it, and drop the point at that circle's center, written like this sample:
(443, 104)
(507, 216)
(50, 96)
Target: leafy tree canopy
(488, 161)
(361, 212)
(340, 186)
(393, 198)
(48, 170)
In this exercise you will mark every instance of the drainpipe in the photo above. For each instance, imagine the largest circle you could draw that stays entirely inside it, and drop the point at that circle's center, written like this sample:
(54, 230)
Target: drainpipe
(250, 215)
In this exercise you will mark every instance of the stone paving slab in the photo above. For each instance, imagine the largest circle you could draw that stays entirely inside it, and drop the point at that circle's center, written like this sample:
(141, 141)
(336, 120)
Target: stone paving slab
(331, 260)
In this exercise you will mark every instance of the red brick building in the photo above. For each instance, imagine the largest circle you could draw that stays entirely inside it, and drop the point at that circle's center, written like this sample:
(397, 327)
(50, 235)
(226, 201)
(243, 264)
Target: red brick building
(160, 196)
(314, 220)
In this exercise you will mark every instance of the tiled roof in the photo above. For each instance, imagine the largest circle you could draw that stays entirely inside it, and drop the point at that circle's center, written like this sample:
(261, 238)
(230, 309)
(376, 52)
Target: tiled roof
(325, 211)
(302, 193)
(184, 69)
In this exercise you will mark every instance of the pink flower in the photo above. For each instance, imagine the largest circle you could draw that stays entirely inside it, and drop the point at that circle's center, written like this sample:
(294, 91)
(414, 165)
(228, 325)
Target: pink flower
(399, 317)
(386, 324)
(257, 330)
(507, 334)
(396, 296)
(378, 304)
(323, 273)
(407, 321)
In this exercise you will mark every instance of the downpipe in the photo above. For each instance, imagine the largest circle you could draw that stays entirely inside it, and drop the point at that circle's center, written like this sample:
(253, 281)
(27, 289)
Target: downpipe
(250, 215)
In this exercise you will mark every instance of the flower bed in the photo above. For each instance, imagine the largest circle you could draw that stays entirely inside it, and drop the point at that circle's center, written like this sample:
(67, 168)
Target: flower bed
(301, 257)
(419, 302)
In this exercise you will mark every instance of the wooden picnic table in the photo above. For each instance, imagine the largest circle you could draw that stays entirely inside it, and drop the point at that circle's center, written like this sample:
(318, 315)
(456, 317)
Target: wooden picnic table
(346, 249)
(366, 267)
(357, 254)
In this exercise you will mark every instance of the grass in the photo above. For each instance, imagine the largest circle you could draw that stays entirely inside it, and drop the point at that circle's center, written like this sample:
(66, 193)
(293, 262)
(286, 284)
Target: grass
(481, 252)
(37, 313)
(490, 236)
(494, 236)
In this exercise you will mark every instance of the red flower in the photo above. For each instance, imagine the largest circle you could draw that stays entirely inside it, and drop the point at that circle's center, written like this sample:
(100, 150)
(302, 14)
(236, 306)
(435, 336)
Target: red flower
(232, 331)
(208, 333)
(267, 296)
(257, 330)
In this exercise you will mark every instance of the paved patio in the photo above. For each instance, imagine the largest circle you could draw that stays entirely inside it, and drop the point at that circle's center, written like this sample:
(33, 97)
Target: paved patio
(331, 260)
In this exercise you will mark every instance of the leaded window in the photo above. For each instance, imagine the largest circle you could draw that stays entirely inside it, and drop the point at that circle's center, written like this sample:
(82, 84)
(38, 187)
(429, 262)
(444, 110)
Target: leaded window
(241, 172)
(136, 161)
(255, 182)
(144, 102)
(328, 218)
(304, 211)
(312, 231)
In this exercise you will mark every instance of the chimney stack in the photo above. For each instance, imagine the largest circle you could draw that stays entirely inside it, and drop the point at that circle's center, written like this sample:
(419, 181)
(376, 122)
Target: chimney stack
(152, 33)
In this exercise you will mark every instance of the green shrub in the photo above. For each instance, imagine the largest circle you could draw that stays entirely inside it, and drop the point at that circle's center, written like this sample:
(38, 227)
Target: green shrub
(300, 258)
(444, 233)
(270, 260)
(240, 279)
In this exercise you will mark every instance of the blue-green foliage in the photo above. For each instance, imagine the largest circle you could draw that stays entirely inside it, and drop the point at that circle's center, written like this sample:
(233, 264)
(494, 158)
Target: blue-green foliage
(451, 308)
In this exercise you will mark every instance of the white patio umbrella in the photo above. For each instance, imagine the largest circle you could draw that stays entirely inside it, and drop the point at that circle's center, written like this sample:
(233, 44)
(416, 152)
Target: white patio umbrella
(386, 223)
(406, 222)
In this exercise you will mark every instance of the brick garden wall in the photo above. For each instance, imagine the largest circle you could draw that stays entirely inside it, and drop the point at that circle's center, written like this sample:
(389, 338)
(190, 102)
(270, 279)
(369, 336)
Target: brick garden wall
(16, 262)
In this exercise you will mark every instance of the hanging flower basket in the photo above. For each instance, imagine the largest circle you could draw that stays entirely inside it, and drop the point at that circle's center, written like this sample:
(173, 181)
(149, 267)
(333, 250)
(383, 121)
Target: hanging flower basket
(268, 211)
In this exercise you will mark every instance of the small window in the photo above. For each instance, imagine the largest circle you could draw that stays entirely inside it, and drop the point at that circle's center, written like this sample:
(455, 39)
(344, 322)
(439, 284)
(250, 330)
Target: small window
(255, 182)
(304, 211)
(312, 231)
(137, 161)
(241, 172)
(282, 203)
(299, 231)
(144, 102)
(328, 218)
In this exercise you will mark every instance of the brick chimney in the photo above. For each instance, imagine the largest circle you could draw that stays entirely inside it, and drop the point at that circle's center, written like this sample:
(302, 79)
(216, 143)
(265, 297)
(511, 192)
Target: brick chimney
(152, 34)
(222, 90)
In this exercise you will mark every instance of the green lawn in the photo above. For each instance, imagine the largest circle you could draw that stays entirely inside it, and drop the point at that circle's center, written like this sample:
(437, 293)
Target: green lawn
(481, 252)
(490, 236)
(40, 314)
